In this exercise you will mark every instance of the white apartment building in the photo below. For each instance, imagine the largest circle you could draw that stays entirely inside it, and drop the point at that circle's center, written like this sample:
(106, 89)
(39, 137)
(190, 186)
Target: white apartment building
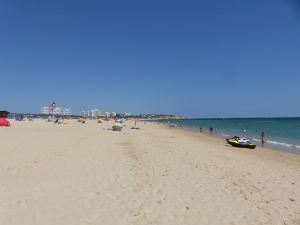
(56, 111)
(92, 113)
(107, 114)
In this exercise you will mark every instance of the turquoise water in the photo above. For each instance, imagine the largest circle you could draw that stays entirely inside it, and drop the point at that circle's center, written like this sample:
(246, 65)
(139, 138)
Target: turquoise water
(282, 134)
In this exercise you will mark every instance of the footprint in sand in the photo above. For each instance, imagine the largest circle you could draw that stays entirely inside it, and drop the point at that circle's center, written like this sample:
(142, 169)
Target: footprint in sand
(22, 202)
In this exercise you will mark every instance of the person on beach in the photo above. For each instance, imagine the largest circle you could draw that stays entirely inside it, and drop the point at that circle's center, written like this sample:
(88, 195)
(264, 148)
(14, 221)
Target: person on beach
(211, 130)
(135, 128)
(200, 129)
(263, 139)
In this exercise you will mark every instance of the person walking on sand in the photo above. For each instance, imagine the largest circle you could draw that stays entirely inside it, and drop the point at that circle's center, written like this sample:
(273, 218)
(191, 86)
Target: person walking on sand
(200, 129)
(263, 139)
(211, 130)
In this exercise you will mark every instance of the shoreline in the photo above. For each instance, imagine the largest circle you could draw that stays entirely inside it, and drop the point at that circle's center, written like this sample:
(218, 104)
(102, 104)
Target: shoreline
(268, 145)
(222, 140)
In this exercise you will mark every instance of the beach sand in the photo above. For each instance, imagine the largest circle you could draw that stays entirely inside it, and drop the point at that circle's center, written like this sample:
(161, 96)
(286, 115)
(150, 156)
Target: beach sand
(69, 174)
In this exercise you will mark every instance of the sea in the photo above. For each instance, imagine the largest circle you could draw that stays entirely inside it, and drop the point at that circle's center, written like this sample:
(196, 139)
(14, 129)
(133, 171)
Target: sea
(282, 134)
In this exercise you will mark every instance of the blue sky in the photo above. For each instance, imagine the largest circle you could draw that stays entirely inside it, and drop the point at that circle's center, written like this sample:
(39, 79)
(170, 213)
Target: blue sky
(200, 59)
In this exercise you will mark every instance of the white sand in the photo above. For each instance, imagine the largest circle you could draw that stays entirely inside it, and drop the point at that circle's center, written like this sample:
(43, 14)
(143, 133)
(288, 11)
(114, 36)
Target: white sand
(82, 174)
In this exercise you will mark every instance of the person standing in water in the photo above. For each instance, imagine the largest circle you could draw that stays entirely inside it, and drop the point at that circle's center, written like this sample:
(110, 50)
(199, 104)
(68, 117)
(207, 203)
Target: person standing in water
(263, 136)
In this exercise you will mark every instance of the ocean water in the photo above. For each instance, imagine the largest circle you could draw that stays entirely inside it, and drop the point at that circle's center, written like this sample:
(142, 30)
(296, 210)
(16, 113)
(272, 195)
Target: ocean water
(282, 134)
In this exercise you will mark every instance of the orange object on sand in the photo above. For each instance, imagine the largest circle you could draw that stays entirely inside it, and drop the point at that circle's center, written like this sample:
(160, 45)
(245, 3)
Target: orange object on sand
(4, 122)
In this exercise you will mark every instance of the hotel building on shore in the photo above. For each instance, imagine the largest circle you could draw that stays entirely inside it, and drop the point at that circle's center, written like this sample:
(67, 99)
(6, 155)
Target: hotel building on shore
(91, 113)
(56, 111)
(108, 114)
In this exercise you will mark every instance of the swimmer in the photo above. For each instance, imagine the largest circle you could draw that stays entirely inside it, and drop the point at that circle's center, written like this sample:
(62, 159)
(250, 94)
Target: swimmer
(263, 139)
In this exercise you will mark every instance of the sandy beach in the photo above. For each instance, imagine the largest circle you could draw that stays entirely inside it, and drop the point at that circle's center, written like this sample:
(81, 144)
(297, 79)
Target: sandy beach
(83, 174)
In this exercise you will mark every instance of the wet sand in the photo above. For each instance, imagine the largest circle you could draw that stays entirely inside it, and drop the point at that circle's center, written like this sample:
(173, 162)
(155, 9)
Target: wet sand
(83, 174)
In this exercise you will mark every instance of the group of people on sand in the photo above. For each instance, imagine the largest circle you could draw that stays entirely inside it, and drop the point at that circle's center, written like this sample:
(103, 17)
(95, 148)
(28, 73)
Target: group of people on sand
(135, 127)
(118, 125)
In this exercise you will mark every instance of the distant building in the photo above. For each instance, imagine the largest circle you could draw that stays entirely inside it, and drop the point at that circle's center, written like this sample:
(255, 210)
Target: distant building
(95, 113)
(92, 113)
(85, 113)
(107, 114)
(56, 111)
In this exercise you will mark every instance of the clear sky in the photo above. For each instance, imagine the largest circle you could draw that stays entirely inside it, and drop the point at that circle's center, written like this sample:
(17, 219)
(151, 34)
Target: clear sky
(194, 58)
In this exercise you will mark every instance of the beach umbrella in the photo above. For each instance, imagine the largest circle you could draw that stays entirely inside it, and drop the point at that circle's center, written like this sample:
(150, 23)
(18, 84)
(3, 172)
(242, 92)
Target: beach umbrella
(117, 128)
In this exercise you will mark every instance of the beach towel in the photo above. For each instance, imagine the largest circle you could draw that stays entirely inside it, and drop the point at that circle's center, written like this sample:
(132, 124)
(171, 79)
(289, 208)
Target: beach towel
(4, 122)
